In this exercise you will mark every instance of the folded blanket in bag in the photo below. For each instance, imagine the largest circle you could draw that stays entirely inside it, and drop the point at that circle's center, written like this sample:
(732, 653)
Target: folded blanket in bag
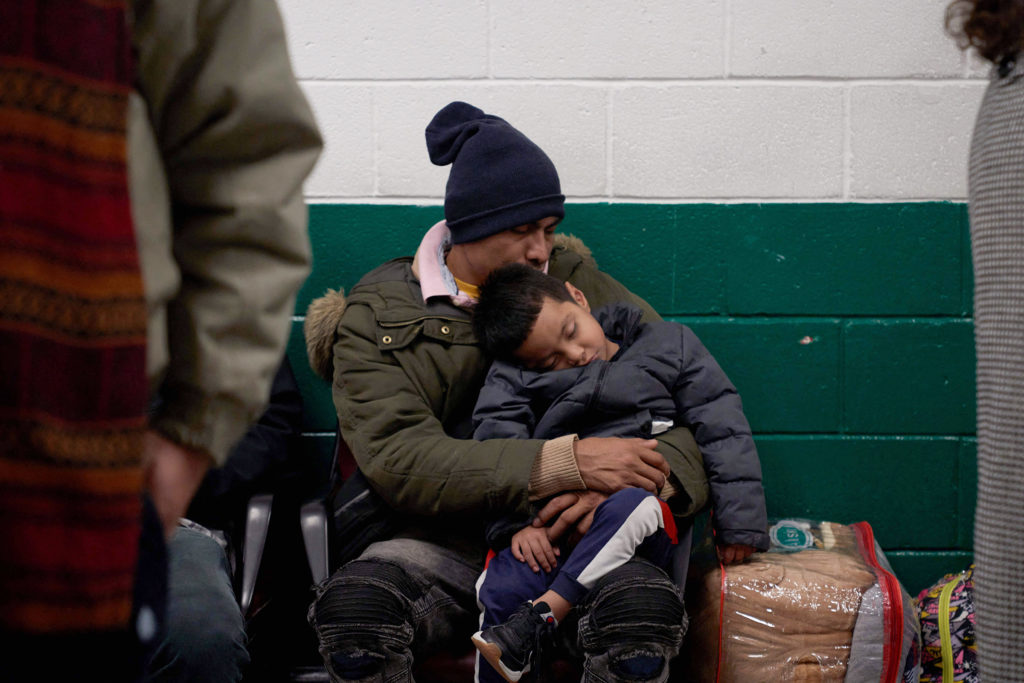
(821, 605)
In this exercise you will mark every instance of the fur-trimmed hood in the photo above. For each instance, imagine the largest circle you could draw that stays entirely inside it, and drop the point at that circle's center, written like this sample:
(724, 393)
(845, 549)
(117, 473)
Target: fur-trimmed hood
(324, 315)
(319, 328)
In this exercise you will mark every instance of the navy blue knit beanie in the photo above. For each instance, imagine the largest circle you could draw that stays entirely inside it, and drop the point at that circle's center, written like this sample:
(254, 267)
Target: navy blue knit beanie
(499, 178)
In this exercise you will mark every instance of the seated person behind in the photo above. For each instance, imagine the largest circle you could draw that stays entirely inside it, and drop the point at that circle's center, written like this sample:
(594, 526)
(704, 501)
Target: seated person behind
(559, 369)
(205, 637)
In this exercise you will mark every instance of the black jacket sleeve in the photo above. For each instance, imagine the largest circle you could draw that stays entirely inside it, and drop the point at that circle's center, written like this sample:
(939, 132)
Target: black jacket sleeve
(265, 456)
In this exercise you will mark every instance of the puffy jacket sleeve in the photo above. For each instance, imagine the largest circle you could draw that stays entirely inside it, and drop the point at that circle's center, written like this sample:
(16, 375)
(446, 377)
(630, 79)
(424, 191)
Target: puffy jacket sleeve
(503, 410)
(677, 445)
(708, 402)
(400, 444)
(237, 139)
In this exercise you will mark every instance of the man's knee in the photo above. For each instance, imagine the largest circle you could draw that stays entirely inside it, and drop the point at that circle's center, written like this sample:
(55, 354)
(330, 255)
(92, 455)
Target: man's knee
(634, 622)
(365, 592)
(361, 614)
(627, 664)
(637, 592)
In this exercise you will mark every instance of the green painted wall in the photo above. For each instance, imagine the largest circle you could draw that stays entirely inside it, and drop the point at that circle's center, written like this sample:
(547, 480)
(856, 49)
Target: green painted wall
(846, 328)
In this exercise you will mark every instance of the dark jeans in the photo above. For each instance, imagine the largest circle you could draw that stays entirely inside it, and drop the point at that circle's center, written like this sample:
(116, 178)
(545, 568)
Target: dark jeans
(406, 598)
(205, 636)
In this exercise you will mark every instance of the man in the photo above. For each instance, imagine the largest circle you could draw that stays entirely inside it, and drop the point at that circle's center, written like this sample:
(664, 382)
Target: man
(154, 234)
(406, 371)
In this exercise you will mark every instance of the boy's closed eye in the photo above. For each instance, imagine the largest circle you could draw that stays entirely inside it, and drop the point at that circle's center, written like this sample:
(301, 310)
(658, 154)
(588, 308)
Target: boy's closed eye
(564, 334)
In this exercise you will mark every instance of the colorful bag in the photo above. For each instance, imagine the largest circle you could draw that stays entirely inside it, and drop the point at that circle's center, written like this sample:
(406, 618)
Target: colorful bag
(946, 611)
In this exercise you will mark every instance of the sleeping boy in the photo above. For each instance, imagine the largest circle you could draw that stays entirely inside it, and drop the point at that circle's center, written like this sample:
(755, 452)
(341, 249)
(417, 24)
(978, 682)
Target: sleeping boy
(559, 369)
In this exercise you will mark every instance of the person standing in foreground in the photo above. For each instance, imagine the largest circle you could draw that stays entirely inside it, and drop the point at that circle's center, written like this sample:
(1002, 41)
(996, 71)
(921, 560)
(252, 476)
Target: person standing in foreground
(406, 369)
(996, 207)
(154, 238)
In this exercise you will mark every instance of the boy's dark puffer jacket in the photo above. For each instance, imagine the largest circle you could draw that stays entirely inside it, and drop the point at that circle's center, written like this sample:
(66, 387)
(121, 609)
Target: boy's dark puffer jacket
(661, 372)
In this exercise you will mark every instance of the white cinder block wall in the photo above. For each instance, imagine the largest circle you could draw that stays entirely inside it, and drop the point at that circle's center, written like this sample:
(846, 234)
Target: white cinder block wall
(657, 100)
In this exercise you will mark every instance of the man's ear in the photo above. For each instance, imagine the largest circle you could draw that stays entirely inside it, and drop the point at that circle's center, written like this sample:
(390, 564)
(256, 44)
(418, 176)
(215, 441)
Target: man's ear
(577, 296)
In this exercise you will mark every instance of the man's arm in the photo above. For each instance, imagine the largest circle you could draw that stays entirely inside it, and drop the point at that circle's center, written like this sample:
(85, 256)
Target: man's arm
(688, 480)
(237, 139)
(399, 442)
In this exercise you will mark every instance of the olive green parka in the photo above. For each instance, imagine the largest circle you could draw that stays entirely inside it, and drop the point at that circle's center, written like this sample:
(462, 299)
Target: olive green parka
(405, 378)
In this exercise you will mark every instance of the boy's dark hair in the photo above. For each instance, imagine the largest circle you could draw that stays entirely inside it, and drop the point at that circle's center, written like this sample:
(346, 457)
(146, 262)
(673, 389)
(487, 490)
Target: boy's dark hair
(510, 301)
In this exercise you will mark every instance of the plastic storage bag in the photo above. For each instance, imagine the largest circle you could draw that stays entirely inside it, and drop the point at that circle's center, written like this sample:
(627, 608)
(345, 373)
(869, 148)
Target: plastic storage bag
(821, 605)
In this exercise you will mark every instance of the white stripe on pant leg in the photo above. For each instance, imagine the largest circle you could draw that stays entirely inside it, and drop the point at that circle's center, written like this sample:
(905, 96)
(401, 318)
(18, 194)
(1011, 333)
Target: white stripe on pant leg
(645, 519)
(480, 625)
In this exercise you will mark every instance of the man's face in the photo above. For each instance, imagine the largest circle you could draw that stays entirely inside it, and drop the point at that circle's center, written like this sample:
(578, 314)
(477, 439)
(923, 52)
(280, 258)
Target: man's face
(565, 335)
(530, 244)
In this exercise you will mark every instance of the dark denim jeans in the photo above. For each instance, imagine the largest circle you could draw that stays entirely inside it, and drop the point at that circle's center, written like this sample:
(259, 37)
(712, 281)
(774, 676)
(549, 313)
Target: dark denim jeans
(205, 637)
(405, 598)
(630, 625)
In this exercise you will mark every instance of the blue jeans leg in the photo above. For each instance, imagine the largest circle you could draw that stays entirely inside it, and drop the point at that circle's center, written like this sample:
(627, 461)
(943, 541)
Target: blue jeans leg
(205, 638)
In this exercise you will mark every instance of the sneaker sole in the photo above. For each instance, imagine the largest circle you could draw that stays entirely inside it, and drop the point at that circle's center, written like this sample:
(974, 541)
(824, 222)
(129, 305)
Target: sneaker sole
(492, 653)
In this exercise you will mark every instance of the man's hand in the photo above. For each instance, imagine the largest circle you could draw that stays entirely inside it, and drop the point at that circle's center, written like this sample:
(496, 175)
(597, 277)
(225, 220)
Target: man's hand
(732, 554)
(574, 510)
(532, 546)
(611, 464)
(171, 474)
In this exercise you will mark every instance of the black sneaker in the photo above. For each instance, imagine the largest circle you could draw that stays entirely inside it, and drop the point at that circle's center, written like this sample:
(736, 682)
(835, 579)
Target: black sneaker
(513, 647)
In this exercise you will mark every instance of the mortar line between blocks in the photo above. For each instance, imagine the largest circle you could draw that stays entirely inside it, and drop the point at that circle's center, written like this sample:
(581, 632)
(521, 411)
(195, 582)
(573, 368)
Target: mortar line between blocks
(841, 371)
(847, 142)
(727, 40)
(609, 143)
(376, 142)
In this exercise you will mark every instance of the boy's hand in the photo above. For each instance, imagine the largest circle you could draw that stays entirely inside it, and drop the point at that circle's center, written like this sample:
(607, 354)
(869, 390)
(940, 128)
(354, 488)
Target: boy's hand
(735, 553)
(531, 545)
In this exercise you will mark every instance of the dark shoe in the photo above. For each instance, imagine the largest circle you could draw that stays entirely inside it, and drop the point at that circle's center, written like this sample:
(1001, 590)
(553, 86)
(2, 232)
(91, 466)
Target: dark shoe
(513, 647)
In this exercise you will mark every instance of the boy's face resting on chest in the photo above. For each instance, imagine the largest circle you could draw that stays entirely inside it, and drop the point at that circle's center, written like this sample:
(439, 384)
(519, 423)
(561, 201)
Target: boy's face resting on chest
(565, 335)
